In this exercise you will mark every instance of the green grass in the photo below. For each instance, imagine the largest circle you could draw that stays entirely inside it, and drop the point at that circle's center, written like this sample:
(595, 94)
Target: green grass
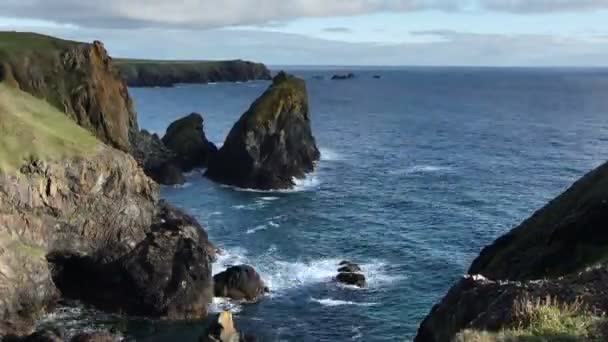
(20, 41)
(543, 321)
(31, 128)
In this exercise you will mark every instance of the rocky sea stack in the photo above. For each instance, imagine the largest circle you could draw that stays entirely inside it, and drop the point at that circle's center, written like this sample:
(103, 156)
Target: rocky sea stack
(272, 143)
(186, 138)
(553, 262)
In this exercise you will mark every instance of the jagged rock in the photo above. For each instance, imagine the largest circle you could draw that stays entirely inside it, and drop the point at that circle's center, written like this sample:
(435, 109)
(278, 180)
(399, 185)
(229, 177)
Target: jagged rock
(478, 303)
(343, 77)
(349, 267)
(240, 283)
(157, 160)
(565, 236)
(272, 142)
(154, 74)
(98, 216)
(186, 138)
(77, 78)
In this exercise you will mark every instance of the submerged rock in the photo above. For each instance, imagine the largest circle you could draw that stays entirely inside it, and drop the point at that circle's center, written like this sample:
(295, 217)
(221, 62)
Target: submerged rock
(186, 138)
(272, 142)
(239, 283)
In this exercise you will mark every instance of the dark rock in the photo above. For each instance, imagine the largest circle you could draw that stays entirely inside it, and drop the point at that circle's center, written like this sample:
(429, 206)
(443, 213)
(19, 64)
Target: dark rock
(186, 138)
(348, 76)
(351, 268)
(272, 142)
(349, 278)
(377, 76)
(157, 160)
(240, 283)
(167, 274)
(95, 337)
(44, 335)
(155, 74)
(565, 236)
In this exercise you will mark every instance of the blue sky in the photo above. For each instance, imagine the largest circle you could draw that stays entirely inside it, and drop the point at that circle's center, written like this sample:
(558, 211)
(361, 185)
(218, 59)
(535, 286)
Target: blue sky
(330, 32)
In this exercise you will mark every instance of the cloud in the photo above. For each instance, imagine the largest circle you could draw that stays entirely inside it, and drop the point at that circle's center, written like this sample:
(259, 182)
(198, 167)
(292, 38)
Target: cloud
(337, 30)
(214, 14)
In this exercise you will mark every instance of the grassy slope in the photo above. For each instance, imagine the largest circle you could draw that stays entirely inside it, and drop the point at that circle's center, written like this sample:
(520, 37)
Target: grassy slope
(24, 41)
(31, 128)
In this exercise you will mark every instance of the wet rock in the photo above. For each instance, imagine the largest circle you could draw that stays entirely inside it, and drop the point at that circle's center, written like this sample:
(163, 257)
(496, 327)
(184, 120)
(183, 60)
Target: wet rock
(186, 138)
(240, 283)
(272, 142)
(350, 273)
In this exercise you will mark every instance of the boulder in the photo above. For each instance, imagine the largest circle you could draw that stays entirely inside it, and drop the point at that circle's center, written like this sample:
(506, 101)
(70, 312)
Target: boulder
(186, 138)
(350, 273)
(239, 283)
(343, 77)
(272, 143)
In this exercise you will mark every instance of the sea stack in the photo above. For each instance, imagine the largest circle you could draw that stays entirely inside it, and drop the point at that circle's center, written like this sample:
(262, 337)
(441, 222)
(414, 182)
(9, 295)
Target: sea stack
(272, 143)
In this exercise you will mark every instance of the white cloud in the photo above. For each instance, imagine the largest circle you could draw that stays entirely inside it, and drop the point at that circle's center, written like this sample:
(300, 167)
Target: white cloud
(213, 13)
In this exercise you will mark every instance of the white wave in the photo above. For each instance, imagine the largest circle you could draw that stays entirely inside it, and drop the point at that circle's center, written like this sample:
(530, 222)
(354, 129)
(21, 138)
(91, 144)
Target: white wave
(240, 207)
(337, 302)
(330, 155)
(269, 198)
(182, 186)
(418, 169)
(257, 229)
(273, 224)
(194, 173)
(218, 305)
(310, 182)
(281, 275)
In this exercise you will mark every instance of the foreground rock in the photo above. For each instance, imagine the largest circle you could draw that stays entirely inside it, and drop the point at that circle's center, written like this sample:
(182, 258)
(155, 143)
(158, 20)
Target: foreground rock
(221, 328)
(186, 138)
(351, 274)
(239, 283)
(558, 253)
(272, 142)
(92, 228)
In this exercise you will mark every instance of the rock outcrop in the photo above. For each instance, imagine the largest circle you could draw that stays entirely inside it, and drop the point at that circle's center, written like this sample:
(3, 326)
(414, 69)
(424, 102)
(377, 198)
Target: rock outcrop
(157, 160)
(239, 283)
(93, 228)
(351, 274)
(186, 138)
(272, 142)
(148, 73)
(77, 78)
(558, 253)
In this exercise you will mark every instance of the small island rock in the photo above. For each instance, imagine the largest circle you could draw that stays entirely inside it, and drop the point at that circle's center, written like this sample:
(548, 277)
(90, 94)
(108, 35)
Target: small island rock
(186, 138)
(272, 143)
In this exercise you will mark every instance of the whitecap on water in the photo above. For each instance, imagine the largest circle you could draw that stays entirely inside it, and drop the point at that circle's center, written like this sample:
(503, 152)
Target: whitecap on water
(269, 198)
(257, 229)
(420, 169)
(337, 302)
(281, 275)
(224, 304)
(329, 154)
(309, 183)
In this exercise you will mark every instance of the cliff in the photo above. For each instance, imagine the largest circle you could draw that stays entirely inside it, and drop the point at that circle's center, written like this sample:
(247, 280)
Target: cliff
(558, 254)
(272, 142)
(78, 218)
(151, 73)
(78, 79)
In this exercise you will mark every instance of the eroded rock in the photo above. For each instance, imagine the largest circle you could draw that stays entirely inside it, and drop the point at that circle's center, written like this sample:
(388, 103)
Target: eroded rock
(240, 283)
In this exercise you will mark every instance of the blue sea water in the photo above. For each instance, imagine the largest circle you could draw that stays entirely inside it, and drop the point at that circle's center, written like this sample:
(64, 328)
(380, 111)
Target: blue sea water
(420, 169)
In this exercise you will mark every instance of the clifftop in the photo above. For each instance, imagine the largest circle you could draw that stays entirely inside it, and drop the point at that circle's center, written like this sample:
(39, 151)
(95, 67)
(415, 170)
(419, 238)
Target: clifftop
(76, 78)
(165, 73)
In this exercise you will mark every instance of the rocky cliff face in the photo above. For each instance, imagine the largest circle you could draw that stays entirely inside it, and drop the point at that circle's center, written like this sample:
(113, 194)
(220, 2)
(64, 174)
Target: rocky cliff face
(77, 78)
(93, 228)
(558, 253)
(272, 142)
(143, 73)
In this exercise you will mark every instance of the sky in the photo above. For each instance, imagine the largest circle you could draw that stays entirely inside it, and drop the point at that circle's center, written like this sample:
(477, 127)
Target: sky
(331, 32)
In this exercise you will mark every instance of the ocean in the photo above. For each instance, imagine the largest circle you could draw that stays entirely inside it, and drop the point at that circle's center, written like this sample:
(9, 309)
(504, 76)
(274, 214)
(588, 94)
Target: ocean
(420, 169)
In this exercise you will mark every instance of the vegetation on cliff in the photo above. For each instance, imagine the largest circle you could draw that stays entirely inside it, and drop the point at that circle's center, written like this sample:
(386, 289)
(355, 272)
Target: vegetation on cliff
(79, 79)
(31, 129)
(159, 73)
